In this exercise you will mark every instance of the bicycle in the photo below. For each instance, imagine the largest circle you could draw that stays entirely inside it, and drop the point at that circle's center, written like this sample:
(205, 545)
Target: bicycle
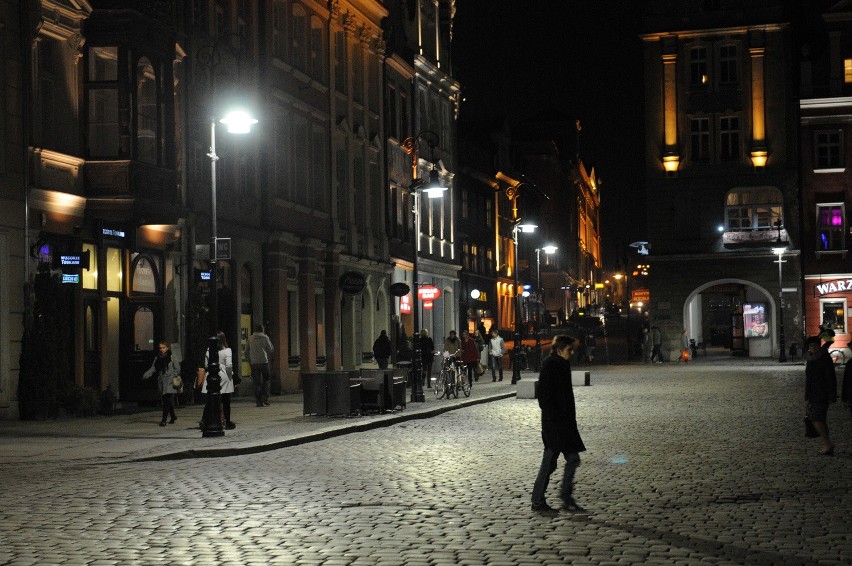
(452, 379)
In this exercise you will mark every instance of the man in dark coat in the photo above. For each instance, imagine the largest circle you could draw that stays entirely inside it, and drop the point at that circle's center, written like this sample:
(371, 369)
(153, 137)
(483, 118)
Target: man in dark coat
(820, 389)
(558, 425)
(382, 349)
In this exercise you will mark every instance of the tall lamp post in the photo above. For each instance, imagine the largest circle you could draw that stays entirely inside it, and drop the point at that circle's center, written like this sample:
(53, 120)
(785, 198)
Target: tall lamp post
(549, 249)
(237, 122)
(526, 227)
(782, 355)
(433, 189)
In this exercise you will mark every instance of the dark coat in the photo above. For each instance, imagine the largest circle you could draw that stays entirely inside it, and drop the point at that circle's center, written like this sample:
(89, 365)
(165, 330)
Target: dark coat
(470, 351)
(846, 392)
(558, 413)
(820, 379)
(427, 349)
(382, 348)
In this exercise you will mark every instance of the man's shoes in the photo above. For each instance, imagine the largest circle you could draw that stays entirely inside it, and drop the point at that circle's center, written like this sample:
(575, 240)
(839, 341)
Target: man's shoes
(570, 506)
(230, 426)
(162, 423)
(827, 451)
(543, 508)
(493, 380)
(501, 379)
(173, 420)
(266, 403)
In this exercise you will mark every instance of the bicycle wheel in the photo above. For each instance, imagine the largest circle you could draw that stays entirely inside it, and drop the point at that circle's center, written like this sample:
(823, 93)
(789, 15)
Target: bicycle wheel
(465, 386)
(441, 385)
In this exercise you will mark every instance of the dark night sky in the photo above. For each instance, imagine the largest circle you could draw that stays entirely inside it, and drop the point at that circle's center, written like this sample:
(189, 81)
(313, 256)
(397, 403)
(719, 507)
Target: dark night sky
(517, 58)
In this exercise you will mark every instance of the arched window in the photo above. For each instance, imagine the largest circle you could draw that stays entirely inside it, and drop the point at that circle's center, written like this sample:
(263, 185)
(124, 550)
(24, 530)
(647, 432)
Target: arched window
(753, 208)
(146, 112)
(145, 275)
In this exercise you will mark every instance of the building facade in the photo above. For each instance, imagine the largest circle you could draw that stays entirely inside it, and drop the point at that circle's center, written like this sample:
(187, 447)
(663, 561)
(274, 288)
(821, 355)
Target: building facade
(722, 178)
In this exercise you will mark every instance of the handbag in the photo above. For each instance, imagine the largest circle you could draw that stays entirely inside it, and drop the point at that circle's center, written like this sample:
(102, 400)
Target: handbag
(177, 383)
(200, 377)
(480, 369)
(810, 430)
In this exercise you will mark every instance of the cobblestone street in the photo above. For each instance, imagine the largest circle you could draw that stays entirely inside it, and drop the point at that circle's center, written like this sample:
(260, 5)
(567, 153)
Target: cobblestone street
(686, 464)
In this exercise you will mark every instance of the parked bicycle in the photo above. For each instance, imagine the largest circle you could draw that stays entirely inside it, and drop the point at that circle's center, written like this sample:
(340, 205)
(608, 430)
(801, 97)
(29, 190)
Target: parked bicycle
(452, 379)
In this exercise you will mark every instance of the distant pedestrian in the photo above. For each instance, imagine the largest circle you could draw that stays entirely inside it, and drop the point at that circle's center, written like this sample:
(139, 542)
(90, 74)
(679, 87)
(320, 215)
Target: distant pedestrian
(452, 344)
(427, 355)
(820, 389)
(646, 346)
(496, 350)
(258, 349)
(558, 425)
(469, 356)
(166, 369)
(382, 349)
(226, 383)
(656, 345)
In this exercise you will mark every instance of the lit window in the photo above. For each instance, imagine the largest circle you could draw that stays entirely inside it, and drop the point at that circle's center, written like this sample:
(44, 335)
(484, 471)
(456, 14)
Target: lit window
(757, 208)
(90, 275)
(698, 76)
(828, 149)
(831, 227)
(847, 71)
(114, 269)
(833, 315)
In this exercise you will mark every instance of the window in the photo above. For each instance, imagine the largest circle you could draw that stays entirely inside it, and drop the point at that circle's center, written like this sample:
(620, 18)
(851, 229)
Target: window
(699, 138)
(298, 35)
(847, 71)
(102, 117)
(390, 120)
(831, 227)
(728, 67)
(114, 270)
(317, 55)
(145, 275)
(828, 149)
(833, 314)
(279, 29)
(340, 61)
(90, 275)
(757, 208)
(146, 112)
(729, 137)
(698, 76)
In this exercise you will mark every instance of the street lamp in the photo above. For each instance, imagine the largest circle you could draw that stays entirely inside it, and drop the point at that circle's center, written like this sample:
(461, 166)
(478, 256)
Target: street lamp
(549, 250)
(433, 189)
(782, 355)
(527, 227)
(237, 122)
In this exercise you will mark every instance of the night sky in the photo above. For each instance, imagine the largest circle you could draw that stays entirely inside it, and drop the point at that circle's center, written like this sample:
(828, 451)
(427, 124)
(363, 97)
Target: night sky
(519, 58)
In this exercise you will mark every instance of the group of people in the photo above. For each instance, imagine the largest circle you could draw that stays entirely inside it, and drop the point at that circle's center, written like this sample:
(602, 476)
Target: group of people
(821, 386)
(473, 350)
(167, 370)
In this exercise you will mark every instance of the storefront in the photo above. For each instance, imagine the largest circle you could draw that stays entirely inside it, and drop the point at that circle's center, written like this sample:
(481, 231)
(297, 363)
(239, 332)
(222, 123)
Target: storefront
(827, 299)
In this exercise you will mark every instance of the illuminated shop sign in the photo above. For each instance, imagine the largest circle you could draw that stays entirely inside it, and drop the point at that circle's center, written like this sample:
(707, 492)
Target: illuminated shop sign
(837, 286)
(113, 233)
(71, 278)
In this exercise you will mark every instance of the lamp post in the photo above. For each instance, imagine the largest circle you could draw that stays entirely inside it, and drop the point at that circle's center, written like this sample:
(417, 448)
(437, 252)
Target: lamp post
(782, 355)
(237, 122)
(528, 227)
(549, 249)
(433, 189)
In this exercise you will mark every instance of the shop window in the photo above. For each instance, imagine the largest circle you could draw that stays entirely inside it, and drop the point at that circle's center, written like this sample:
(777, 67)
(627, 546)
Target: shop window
(143, 329)
(90, 275)
(833, 314)
(831, 227)
(753, 209)
(114, 270)
(145, 278)
(828, 149)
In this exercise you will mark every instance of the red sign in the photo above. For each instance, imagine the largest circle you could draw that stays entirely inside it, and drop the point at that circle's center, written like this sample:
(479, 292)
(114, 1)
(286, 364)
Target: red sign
(427, 305)
(640, 296)
(428, 292)
(405, 304)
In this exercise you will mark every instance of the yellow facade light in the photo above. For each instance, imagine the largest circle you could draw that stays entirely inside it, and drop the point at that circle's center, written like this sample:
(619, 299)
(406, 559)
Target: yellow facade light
(671, 163)
(758, 158)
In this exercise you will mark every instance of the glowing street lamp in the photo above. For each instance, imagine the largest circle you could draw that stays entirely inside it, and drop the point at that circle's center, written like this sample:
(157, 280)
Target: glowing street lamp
(526, 227)
(782, 355)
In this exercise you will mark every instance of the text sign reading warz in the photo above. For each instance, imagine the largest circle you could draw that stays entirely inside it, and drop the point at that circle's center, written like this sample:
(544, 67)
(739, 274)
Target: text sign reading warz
(838, 286)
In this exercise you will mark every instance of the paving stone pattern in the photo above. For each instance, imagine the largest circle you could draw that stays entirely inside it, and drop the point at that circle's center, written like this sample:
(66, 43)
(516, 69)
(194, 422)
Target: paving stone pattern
(686, 465)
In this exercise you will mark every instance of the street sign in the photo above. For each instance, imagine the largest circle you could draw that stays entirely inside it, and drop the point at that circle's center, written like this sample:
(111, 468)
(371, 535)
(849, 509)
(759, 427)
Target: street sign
(352, 282)
(223, 248)
(202, 251)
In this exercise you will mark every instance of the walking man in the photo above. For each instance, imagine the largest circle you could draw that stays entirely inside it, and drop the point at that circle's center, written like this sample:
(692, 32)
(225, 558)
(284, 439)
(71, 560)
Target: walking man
(558, 426)
(496, 349)
(258, 349)
(656, 345)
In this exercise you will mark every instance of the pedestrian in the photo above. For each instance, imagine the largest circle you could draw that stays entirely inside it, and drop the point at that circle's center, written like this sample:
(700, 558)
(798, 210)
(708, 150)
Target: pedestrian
(820, 389)
(846, 391)
(226, 383)
(452, 344)
(558, 425)
(166, 369)
(656, 345)
(258, 349)
(427, 355)
(646, 346)
(590, 347)
(469, 356)
(496, 349)
(382, 349)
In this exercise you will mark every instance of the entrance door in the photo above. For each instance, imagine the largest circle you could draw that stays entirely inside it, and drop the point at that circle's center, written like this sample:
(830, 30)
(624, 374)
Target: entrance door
(92, 343)
(142, 327)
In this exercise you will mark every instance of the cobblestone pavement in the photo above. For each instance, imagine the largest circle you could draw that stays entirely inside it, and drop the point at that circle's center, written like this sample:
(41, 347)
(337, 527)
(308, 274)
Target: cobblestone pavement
(686, 465)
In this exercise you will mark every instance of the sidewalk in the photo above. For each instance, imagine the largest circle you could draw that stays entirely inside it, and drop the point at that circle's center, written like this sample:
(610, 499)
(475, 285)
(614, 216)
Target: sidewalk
(138, 436)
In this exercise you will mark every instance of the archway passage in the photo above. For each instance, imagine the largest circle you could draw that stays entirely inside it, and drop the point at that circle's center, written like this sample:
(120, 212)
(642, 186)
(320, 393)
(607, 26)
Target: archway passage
(734, 315)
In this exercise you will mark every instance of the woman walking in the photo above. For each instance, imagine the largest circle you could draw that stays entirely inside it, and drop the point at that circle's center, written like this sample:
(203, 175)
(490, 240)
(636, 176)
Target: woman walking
(166, 369)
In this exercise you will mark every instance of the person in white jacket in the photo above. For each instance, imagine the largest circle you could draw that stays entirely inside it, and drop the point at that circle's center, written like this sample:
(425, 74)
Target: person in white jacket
(496, 349)
(226, 370)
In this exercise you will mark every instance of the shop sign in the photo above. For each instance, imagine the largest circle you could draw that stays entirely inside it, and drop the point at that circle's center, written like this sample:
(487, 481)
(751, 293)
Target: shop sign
(352, 282)
(640, 296)
(399, 289)
(427, 305)
(428, 292)
(836, 286)
(405, 304)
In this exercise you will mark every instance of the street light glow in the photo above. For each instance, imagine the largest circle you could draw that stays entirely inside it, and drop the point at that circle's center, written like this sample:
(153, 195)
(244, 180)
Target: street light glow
(549, 249)
(238, 122)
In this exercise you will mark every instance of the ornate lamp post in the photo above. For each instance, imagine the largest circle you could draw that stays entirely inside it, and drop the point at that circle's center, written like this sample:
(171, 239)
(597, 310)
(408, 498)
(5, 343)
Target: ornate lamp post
(433, 189)
(528, 227)
(782, 355)
(237, 122)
